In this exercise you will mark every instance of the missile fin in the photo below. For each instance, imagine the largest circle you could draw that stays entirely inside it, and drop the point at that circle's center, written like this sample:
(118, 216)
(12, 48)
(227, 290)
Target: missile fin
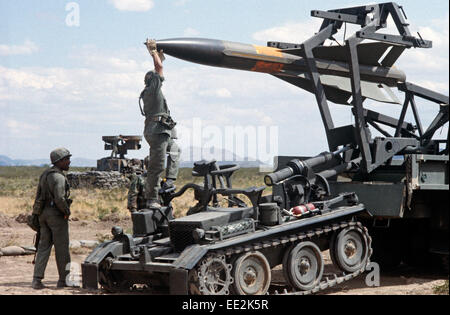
(375, 91)
(338, 89)
(332, 93)
(368, 53)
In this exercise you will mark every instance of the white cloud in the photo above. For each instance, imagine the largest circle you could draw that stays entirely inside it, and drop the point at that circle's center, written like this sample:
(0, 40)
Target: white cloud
(291, 32)
(64, 88)
(219, 92)
(132, 5)
(438, 86)
(429, 66)
(22, 129)
(190, 32)
(25, 79)
(108, 63)
(27, 48)
(257, 116)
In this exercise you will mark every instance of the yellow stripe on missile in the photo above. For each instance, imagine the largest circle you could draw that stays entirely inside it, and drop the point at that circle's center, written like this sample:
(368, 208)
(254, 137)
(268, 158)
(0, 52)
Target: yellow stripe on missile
(268, 67)
(261, 53)
(268, 59)
(268, 51)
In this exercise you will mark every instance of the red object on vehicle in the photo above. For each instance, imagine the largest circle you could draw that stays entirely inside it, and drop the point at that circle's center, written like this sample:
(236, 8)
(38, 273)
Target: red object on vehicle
(303, 209)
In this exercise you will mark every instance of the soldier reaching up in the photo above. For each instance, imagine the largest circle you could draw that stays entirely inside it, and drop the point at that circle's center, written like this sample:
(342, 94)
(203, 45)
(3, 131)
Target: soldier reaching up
(159, 131)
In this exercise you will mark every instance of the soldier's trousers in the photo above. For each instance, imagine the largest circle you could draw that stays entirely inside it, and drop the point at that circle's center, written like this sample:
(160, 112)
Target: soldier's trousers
(161, 146)
(54, 231)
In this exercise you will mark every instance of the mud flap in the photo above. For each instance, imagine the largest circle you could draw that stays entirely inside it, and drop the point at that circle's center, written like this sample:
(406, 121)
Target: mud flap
(178, 281)
(90, 276)
(190, 257)
(90, 266)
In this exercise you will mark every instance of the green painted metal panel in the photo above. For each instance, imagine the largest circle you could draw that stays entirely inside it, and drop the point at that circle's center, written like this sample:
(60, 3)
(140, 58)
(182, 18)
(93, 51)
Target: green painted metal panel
(380, 199)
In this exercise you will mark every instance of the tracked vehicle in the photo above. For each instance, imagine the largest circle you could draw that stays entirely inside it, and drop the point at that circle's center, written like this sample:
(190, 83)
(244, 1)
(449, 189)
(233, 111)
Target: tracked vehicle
(400, 176)
(231, 250)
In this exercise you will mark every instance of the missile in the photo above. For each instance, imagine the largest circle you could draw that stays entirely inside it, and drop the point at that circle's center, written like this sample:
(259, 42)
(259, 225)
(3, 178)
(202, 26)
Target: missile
(290, 66)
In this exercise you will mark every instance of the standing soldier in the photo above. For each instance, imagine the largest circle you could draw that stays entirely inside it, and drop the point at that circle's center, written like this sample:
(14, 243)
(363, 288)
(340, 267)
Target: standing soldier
(136, 200)
(159, 131)
(52, 205)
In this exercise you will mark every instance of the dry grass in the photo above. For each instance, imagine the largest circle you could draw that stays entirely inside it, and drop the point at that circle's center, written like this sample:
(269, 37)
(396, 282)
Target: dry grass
(98, 204)
(12, 239)
(441, 289)
(18, 188)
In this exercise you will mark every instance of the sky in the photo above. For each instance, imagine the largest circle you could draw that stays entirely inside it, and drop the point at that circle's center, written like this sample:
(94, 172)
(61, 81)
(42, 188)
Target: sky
(72, 71)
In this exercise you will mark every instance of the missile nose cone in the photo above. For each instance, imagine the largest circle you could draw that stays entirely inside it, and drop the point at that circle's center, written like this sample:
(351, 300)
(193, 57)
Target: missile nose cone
(198, 50)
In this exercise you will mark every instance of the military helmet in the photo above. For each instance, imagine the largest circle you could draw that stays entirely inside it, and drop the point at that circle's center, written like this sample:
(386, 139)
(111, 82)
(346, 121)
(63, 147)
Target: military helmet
(59, 154)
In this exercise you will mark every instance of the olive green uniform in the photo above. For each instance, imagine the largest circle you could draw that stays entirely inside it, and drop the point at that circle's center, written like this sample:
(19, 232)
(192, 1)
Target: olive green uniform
(54, 228)
(159, 137)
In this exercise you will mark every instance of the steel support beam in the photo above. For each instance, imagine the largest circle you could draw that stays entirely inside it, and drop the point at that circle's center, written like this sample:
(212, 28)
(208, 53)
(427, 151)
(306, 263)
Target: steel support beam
(423, 93)
(363, 137)
(408, 41)
(307, 48)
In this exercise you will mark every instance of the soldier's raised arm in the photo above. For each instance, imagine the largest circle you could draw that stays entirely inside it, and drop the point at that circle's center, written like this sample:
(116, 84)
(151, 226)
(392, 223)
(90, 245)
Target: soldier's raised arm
(157, 56)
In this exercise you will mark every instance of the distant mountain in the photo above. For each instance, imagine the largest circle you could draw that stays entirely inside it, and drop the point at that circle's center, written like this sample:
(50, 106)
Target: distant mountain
(78, 162)
(189, 156)
(82, 162)
(5, 161)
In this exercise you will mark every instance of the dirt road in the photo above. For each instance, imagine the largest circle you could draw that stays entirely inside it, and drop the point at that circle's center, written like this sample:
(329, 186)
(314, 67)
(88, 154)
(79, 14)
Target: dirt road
(16, 271)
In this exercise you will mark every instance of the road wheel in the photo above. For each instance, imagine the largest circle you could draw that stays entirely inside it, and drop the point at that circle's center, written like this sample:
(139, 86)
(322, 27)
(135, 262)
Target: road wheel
(252, 274)
(349, 249)
(303, 266)
(213, 276)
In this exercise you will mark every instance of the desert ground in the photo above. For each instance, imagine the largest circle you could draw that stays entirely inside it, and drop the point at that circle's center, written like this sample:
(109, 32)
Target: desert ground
(95, 212)
(16, 271)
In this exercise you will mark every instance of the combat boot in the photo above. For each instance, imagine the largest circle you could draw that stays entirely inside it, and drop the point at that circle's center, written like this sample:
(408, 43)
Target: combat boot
(37, 284)
(63, 284)
(153, 204)
(168, 184)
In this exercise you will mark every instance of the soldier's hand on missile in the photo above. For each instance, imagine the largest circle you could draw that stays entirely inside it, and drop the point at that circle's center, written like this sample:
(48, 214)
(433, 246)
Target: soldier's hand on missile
(151, 46)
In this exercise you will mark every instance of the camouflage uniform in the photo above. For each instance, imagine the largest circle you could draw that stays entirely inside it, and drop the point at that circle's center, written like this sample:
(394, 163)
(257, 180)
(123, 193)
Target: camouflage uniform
(54, 225)
(159, 136)
(136, 200)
